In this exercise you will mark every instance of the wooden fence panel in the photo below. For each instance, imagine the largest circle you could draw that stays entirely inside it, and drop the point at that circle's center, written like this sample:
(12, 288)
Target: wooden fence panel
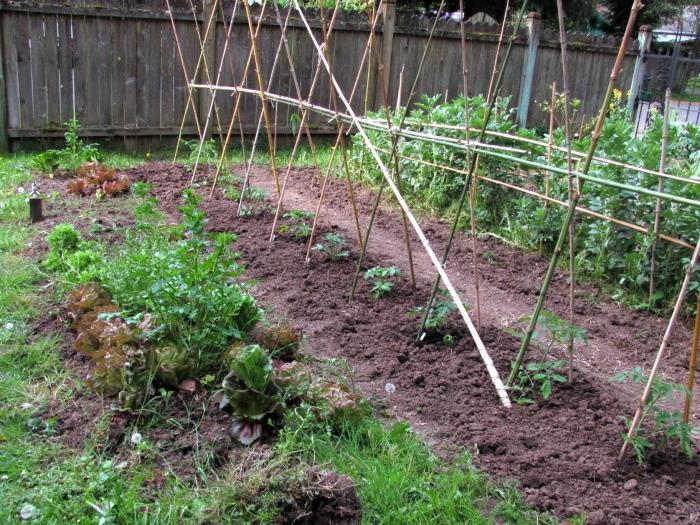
(114, 65)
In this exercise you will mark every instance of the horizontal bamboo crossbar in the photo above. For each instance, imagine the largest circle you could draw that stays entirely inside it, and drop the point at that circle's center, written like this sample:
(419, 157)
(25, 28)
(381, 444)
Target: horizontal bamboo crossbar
(564, 204)
(479, 148)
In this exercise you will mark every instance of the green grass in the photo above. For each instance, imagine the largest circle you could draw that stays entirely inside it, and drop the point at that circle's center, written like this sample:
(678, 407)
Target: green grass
(398, 478)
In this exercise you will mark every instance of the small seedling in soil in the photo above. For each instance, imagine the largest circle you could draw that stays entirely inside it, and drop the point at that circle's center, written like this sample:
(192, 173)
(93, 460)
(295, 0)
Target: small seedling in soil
(668, 426)
(297, 226)
(439, 313)
(70, 158)
(208, 157)
(333, 245)
(544, 373)
(382, 279)
(538, 375)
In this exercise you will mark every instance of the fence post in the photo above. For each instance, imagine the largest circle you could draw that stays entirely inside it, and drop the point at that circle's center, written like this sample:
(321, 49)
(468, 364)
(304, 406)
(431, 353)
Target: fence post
(4, 142)
(644, 39)
(209, 59)
(388, 13)
(534, 27)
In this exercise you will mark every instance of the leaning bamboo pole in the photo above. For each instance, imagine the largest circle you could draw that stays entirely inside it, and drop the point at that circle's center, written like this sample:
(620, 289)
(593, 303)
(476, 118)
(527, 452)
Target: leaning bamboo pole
(258, 128)
(493, 373)
(692, 364)
(664, 344)
(472, 190)
(258, 73)
(660, 188)
(304, 122)
(617, 67)
(237, 104)
(339, 143)
(212, 101)
(190, 99)
(472, 167)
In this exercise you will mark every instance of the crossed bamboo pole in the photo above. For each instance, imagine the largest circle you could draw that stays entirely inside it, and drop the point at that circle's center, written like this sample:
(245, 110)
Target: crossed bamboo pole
(564, 232)
(472, 169)
(493, 373)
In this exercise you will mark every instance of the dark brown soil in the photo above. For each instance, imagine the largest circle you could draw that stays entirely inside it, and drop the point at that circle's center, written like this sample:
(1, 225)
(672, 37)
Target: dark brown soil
(562, 451)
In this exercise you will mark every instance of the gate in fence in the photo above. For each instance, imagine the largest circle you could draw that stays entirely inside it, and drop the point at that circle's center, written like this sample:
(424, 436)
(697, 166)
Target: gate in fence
(673, 62)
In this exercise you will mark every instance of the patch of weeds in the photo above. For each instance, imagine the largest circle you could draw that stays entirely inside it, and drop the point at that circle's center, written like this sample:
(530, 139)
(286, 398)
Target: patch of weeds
(382, 279)
(333, 245)
(442, 307)
(69, 159)
(667, 426)
(209, 155)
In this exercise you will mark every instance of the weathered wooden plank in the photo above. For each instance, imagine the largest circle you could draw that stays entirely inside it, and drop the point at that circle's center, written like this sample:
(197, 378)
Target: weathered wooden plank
(24, 72)
(118, 38)
(37, 57)
(104, 57)
(9, 57)
(143, 71)
(168, 116)
(65, 67)
(51, 68)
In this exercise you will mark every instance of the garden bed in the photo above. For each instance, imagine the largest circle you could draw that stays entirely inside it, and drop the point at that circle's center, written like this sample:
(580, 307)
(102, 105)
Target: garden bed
(562, 450)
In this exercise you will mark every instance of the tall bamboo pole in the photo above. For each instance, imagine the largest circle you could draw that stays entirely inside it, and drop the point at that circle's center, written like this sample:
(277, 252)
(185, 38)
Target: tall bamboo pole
(190, 98)
(472, 167)
(394, 146)
(564, 232)
(570, 180)
(488, 362)
(550, 142)
(660, 189)
(304, 120)
(261, 85)
(664, 344)
(692, 363)
(465, 89)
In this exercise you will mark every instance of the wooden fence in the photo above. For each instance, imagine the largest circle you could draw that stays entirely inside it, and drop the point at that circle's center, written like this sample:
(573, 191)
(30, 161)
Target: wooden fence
(113, 65)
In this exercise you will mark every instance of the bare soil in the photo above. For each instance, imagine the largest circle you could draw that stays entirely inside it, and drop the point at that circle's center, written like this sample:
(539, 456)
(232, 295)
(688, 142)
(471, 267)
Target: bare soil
(561, 451)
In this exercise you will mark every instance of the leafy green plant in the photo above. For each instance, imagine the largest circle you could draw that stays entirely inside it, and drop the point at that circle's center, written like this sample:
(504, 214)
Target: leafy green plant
(552, 331)
(538, 376)
(668, 426)
(382, 279)
(333, 246)
(297, 224)
(187, 280)
(209, 156)
(75, 260)
(75, 154)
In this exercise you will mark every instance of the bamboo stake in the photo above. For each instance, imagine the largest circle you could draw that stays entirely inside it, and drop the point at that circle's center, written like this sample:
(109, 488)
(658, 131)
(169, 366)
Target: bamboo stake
(501, 36)
(692, 364)
(394, 144)
(664, 344)
(472, 166)
(282, 43)
(210, 23)
(493, 373)
(550, 142)
(570, 169)
(212, 102)
(302, 124)
(237, 104)
(636, 6)
(261, 86)
(340, 143)
(660, 189)
(190, 99)
(472, 191)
